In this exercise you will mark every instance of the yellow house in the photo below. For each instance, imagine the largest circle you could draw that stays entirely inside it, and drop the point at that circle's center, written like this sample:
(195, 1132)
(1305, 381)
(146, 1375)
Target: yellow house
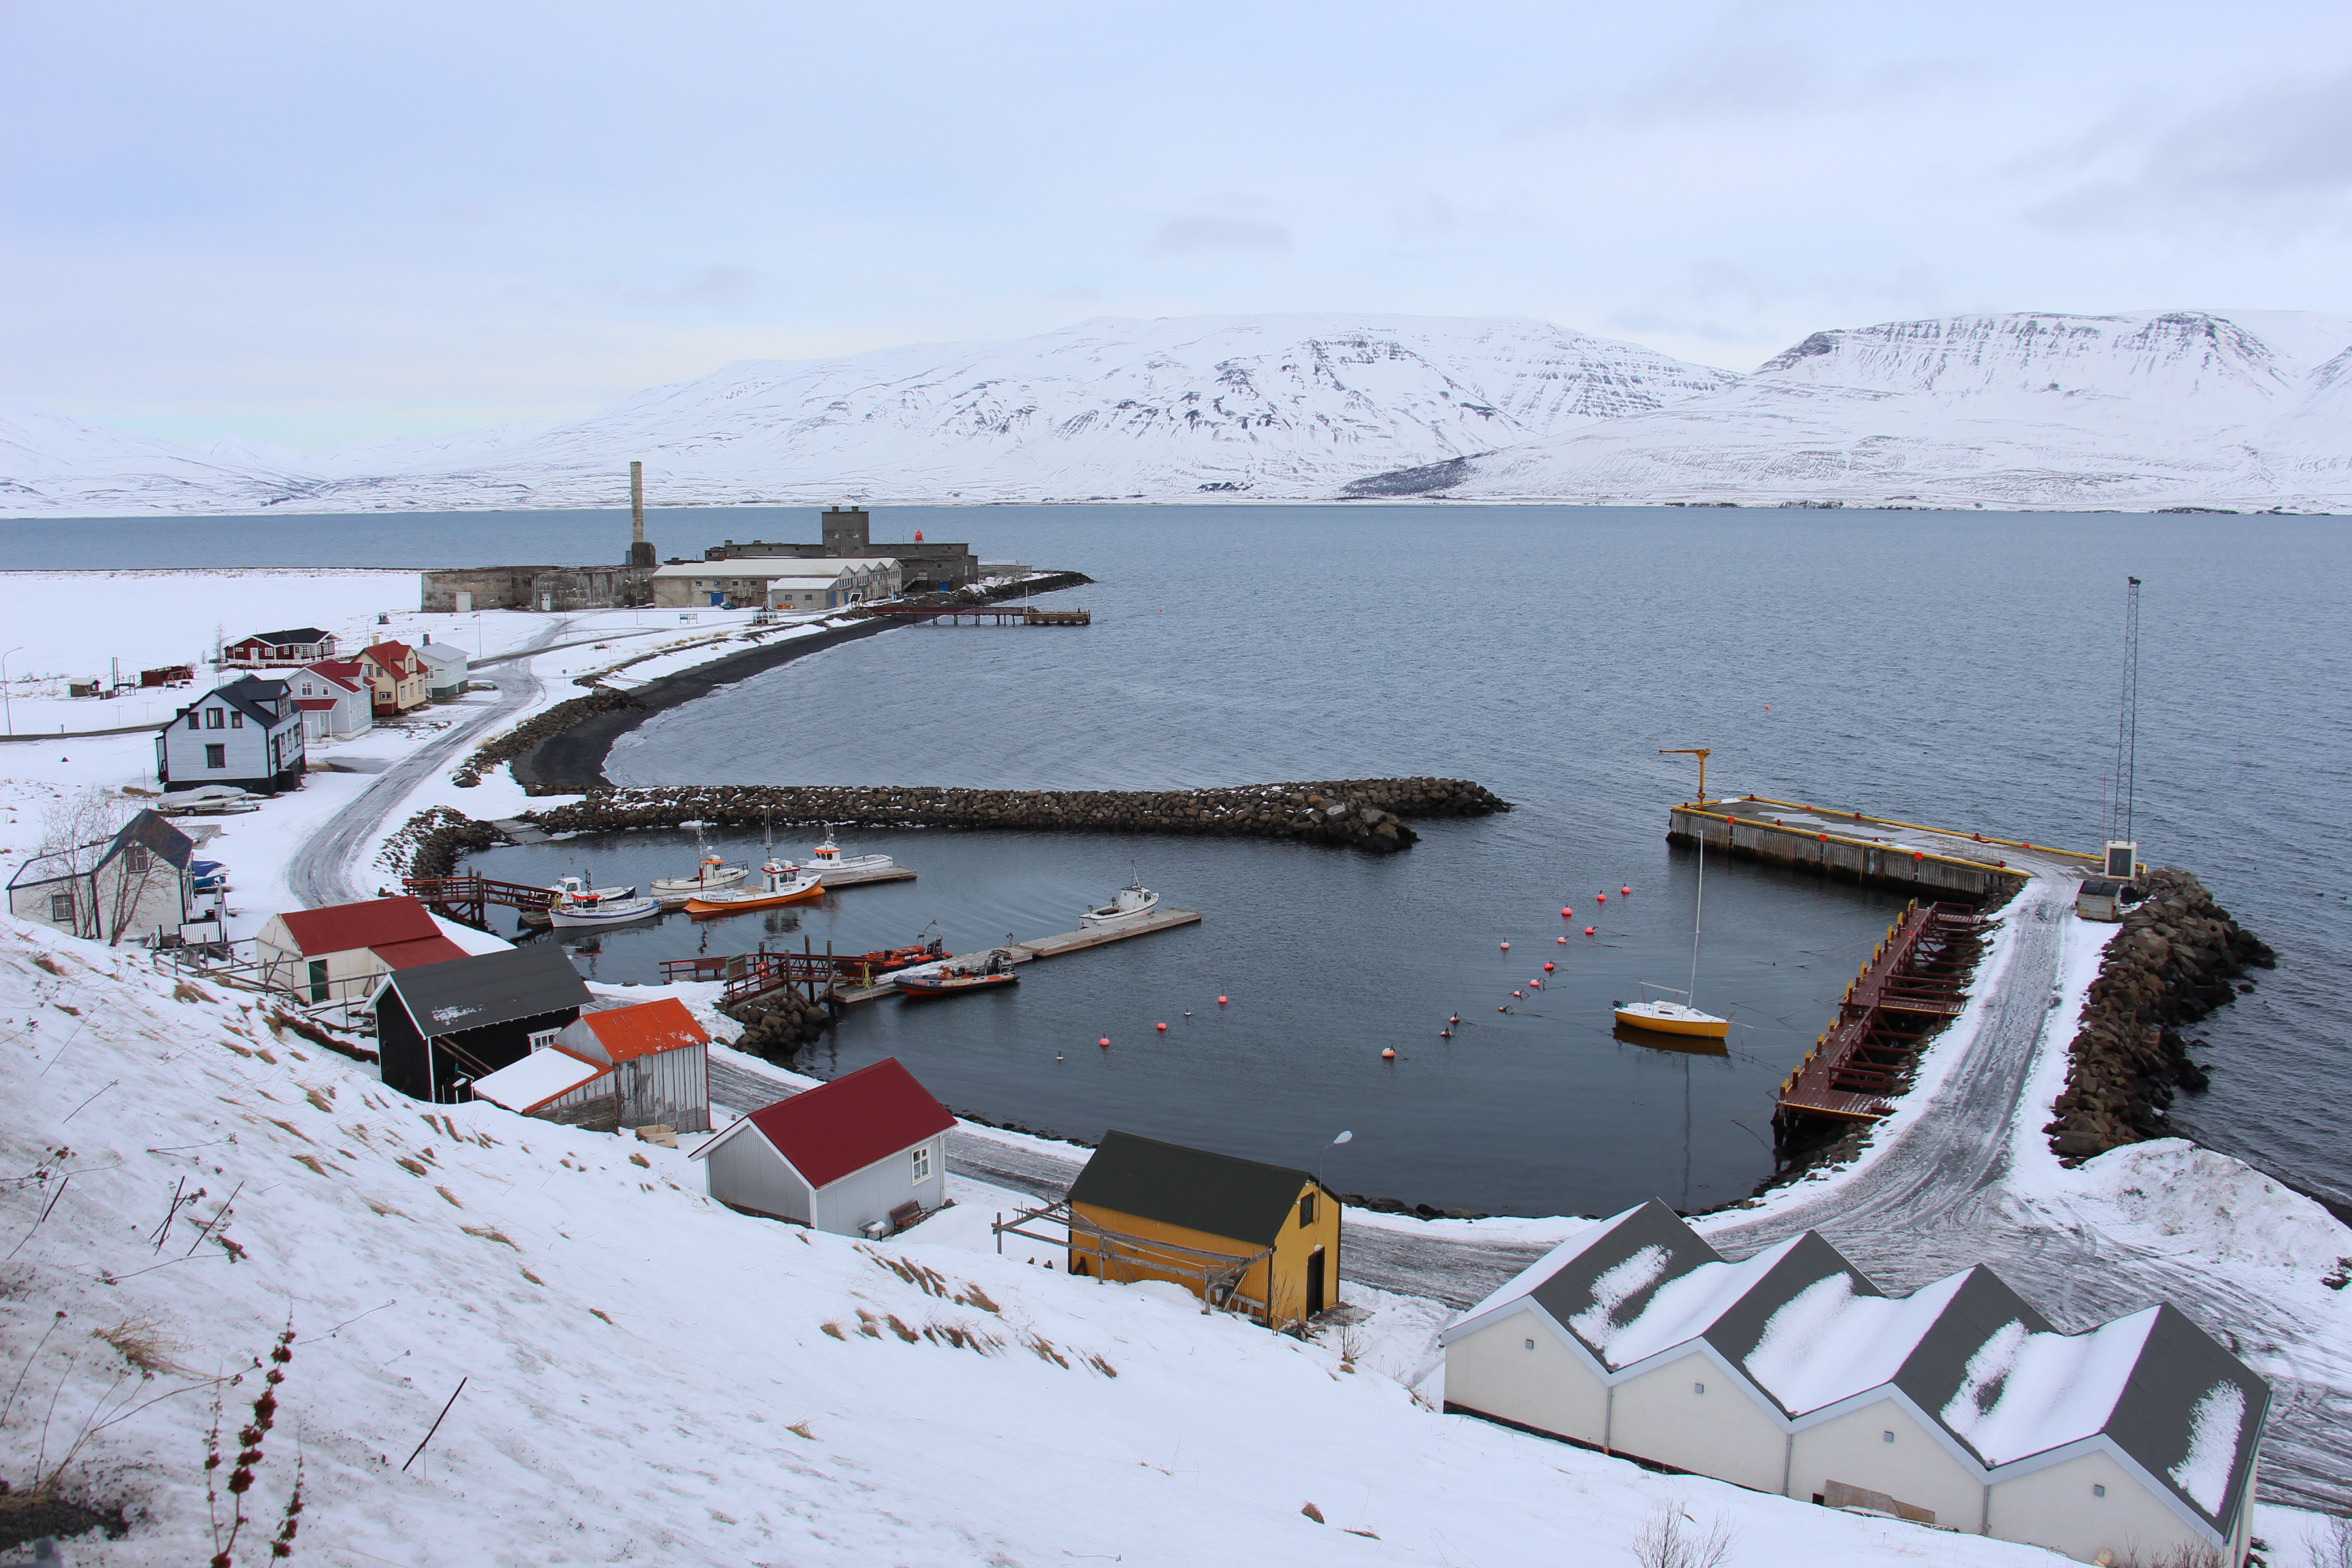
(1237, 1233)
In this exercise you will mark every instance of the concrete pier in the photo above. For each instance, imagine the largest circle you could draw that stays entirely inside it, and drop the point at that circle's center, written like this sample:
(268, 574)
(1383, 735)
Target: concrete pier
(1043, 947)
(1855, 847)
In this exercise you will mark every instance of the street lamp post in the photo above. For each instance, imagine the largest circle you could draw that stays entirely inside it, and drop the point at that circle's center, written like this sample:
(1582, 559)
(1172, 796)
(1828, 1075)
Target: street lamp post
(6, 706)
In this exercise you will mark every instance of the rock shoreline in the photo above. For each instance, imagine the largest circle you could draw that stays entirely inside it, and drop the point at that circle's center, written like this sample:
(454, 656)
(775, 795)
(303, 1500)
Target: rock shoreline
(1363, 813)
(2177, 958)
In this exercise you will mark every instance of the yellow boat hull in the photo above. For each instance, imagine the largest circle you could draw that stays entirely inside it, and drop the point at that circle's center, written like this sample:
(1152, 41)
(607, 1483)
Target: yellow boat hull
(1702, 1027)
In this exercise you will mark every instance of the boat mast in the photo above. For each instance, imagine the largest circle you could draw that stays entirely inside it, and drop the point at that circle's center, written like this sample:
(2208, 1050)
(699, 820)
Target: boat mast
(1698, 905)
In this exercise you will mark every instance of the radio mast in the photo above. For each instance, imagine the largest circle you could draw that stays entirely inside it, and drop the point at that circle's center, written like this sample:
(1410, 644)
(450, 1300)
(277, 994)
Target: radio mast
(2123, 808)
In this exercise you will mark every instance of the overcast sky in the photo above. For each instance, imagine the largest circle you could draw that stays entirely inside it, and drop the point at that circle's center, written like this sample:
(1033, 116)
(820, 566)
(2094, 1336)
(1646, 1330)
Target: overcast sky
(314, 224)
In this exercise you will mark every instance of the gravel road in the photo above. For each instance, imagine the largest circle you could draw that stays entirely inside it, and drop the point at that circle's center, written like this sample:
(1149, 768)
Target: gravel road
(322, 868)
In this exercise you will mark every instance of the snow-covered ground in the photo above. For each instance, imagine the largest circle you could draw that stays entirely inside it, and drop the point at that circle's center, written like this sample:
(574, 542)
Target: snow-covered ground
(2243, 410)
(656, 1350)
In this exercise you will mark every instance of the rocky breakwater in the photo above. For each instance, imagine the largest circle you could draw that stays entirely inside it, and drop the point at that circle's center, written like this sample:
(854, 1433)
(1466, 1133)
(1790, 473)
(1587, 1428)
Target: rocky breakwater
(1363, 813)
(2178, 957)
(778, 1025)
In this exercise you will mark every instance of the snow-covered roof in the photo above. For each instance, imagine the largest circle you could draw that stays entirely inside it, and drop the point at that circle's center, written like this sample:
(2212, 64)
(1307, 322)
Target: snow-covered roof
(542, 1076)
(1810, 1331)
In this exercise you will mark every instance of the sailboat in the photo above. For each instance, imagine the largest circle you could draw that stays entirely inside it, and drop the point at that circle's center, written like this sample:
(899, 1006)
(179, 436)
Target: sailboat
(781, 882)
(1662, 1009)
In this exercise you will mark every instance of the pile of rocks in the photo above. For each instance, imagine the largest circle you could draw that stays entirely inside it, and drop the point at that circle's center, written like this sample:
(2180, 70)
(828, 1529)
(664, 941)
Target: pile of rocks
(538, 727)
(2173, 962)
(777, 1025)
(1364, 814)
(429, 843)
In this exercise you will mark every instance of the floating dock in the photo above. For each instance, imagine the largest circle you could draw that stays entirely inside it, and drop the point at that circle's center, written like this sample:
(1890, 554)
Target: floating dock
(1854, 847)
(1044, 947)
(1913, 983)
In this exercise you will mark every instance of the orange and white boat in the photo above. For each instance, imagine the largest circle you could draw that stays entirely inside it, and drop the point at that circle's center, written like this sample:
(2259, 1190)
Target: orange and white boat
(781, 882)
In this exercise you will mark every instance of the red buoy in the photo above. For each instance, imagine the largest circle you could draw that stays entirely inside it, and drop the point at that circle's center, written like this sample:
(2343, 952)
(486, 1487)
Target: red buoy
(1518, 994)
(1506, 947)
(1588, 931)
(1162, 1027)
(1388, 1053)
(1562, 940)
(1627, 891)
(1537, 983)
(1601, 897)
(1104, 1042)
(1565, 912)
(1220, 1000)
(1550, 967)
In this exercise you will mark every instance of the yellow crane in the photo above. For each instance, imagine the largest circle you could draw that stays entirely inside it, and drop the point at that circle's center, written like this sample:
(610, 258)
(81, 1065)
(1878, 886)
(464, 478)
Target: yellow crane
(1702, 753)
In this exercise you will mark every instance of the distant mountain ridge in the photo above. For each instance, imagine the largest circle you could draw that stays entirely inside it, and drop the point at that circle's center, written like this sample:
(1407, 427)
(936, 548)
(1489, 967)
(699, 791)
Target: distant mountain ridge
(2246, 410)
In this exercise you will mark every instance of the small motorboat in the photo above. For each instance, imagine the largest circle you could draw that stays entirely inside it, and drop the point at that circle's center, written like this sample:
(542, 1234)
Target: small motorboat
(711, 873)
(1131, 902)
(578, 904)
(927, 948)
(831, 865)
(949, 980)
(1662, 1016)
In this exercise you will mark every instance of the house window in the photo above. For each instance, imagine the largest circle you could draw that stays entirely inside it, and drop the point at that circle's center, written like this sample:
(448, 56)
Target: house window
(195, 719)
(236, 720)
(1886, 1436)
(216, 756)
(213, 719)
(135, 860)
(923, 1163)
(2098, 1491)
(1699, 1388)
(542, 1039)
(61, 909)
(1531, 1344)
(1307, 1209)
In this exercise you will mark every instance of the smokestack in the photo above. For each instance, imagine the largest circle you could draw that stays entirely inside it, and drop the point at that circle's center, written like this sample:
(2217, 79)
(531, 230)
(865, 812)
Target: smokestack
(640, 552)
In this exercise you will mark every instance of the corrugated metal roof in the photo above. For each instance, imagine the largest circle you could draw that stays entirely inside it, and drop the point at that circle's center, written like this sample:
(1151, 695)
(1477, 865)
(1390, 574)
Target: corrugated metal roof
(838, 1128)
(1220, 1194)
(370, 922)
(542, 1076)
(285, 638)
(416, 952)
(624, 1034)
(490, 988)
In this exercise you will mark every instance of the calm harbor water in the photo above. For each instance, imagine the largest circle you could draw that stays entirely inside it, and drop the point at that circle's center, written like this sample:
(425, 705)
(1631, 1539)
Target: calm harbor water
(1954, 668)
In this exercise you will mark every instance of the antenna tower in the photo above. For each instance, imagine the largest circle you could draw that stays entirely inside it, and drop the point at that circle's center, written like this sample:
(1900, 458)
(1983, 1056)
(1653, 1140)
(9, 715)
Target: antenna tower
(2127, 722)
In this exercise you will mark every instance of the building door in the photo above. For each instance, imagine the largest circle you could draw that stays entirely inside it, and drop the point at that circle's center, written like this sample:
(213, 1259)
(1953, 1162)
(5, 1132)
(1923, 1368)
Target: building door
(318, 980)
(1315, 1282)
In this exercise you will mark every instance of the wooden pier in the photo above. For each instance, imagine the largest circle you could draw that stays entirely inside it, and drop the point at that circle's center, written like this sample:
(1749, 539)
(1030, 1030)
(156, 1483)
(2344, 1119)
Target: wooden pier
(1045, 947)
(1854, 847)
(468, 897)
(982, 614)
(1911, 984)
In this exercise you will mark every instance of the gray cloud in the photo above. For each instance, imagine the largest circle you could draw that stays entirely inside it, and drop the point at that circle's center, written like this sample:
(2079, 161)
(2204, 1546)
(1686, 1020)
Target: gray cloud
(1204, 231)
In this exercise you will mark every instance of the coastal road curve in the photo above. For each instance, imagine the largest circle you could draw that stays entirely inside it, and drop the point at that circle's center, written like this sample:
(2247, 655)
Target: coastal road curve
(320, 872)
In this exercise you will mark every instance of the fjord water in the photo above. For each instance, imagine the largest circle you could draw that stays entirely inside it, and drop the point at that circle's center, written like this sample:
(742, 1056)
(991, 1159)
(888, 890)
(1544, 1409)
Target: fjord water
(1961, 670)
(1956, 668)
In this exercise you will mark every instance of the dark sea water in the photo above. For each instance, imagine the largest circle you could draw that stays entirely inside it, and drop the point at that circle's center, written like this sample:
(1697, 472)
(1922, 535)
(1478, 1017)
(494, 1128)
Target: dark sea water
(1956, 668)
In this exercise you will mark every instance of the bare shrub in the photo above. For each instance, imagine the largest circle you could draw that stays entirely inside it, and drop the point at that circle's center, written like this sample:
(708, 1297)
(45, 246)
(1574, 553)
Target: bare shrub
(2331, 1548)
(1672, 1539)
(146, 1344)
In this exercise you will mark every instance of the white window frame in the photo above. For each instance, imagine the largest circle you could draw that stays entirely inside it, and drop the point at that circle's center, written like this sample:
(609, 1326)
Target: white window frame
(922, 1152)
(540, 1039)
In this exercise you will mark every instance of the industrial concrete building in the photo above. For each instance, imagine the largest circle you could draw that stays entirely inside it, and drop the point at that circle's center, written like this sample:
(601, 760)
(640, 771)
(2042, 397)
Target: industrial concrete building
(1958, 1405)
(828, 584)
(926, 566)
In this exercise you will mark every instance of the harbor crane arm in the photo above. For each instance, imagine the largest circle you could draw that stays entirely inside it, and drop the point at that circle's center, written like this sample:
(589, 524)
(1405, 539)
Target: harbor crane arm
(1702, 753)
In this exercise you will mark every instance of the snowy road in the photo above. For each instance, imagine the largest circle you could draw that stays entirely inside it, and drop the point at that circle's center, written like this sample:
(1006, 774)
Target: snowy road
(320, 872)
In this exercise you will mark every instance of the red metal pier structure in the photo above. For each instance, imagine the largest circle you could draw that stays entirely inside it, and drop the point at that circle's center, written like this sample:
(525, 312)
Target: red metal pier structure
(1912, 986)
(748, 975)
(468, 898)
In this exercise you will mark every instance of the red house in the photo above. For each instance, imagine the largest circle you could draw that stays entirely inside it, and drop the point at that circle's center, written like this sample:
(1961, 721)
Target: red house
(266, 650)
(865, 1154)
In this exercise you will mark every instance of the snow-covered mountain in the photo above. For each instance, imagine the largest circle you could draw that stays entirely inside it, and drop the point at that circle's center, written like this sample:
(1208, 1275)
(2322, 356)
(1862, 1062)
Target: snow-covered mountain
(2245, 410)
(1272, 407)
(2176, 408)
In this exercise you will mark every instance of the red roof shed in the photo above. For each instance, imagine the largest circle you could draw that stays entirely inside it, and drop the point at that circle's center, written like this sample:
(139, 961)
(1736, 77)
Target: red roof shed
(839, 1157)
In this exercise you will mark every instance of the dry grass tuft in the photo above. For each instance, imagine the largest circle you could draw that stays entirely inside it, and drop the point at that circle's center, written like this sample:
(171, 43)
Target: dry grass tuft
(801, 1429)
(835, 1330)
(641, 1160)
(240, 1050)
(902, 1331)
(413, 1167)
(973, 1296)
(185, 991)
(1102, 1366)
(1045, 1351)
(146, 1344)
(289, 1127)
(43, 961)
(451, 1197)
(490, 1233)
(320, 1166)
(324, 1101)
(383, 1208)
(533, 1277)
(598, 1312)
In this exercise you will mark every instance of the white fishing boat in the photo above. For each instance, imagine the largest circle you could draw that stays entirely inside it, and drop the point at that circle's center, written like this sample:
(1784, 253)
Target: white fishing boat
(578, 904)
(831, 865)
(711, 873)
(1131, 902)
(1658, 1010)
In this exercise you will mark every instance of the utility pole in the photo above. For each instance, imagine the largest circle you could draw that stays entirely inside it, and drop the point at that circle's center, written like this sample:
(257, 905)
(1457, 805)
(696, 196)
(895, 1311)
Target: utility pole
(2122, 846)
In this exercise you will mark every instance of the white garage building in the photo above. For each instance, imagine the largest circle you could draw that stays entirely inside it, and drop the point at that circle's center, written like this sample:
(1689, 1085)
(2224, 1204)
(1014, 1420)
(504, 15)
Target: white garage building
(1958, 1405)
(864, 1153)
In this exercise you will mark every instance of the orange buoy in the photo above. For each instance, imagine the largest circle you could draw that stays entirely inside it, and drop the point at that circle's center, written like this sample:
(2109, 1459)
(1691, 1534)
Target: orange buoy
(1550, 967)
(1188, 1012)
(1565, 912)
(1388, 1053)
(1506, 947)
(1503, 1009)
(1220, 1000)
(1601, 897)
(1456, 1020)
(1445, 1034)
(1104, 1042)
(1162, 1027)
(1537, 983)
(1588, 931)
(1518, 994)
(1562, 940)
(1627, 891)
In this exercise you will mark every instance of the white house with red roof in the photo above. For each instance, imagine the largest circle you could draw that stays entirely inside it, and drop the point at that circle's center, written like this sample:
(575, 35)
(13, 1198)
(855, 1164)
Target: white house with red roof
(335, 699)
(865, 1154)
(397, 677)
(338, 953)
(644, 1065)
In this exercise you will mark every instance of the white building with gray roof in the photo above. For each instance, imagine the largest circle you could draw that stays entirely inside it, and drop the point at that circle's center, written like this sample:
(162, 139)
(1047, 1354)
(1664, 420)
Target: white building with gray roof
(1958, 1405)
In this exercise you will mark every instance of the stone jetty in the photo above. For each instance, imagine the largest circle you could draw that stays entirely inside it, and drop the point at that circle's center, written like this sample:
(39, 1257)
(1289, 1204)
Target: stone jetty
(1363, 814)
(2177, 958)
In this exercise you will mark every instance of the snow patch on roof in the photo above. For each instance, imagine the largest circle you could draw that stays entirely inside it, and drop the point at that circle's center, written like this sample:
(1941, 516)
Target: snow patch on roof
(2023, 1393)
(1596, 1324)
(1685, 1307)
(1828, 1344)
(2215, 1426)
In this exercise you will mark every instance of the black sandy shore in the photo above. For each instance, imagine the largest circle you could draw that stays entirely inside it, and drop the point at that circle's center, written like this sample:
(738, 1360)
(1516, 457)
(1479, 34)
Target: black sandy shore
(571, 761)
